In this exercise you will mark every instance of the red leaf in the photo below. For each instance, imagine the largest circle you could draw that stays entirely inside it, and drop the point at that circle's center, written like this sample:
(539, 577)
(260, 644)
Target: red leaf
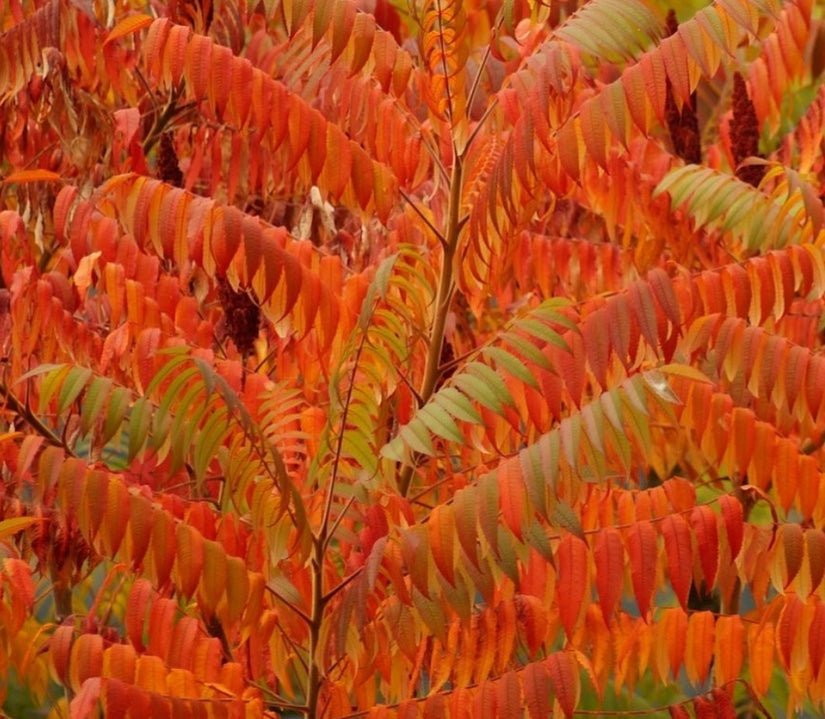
(181, 649)
(704, 708)
(679, 547)
(85, 702)
(815, 551)
(703, 520)
(786, 629)
(678, 711)
(416, 554)
(136, 611)
(60, 646)
(564, 674)
(725, 708)
(793, 544)
(163, 547)
(161, 622)
(733, 518)
(572, 584)
(509, 697)
(536, 685)
(816, 640)
(141, 518)
(512, 496)
(642, 550)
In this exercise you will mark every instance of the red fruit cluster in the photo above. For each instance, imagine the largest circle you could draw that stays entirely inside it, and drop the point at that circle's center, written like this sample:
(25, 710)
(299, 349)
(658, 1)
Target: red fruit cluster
(682, 124)
(744, 134)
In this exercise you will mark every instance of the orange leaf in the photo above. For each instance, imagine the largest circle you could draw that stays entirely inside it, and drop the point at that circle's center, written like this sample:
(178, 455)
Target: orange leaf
(700, 646)
(729, 649)
(10, 527)
(213, 579)
(815, 551)
(760, 655)
(609, 557)
(642, 550)
(572, 585)
(119, 662)
(60, 646)
(151, 674)
(808, 492)
(188, 559)
(86, 659)
(785, 471)
(127, 26)
(141, 519)
(441, 531)
(679, 547)
(672, 638)
(237, 588)
(23, 177)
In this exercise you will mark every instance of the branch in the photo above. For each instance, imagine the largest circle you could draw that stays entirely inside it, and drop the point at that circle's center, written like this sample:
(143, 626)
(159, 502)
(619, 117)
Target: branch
(25, 413)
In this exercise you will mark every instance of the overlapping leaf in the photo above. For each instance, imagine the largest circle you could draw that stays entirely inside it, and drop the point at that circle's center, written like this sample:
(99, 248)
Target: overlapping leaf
(319, 151)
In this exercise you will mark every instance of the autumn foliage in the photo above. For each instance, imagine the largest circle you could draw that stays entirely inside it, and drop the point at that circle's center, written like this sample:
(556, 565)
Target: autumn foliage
(381, 359)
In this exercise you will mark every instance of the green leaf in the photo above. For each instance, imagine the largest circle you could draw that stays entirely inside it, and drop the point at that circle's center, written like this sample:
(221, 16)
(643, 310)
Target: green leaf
(140, 417)
(73, 385)
(96, 397)
(565, 517)
(210, 438)
(541, 331)
(355, 445)
(527, 349)
(439, 422)
(177, 356)
(119, 401)
(483, 384)
(457, 404)
(511, 364)
(416, 437)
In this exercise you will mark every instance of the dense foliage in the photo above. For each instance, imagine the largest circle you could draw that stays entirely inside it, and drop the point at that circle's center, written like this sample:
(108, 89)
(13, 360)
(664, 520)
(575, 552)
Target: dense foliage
(370, 358)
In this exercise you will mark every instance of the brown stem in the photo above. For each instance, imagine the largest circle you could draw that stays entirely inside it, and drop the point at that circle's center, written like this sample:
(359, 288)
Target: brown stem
(315, 678)
(446, 286)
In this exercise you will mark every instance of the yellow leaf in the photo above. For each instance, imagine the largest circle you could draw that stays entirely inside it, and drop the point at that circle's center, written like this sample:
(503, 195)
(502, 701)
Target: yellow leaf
(8, 527)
